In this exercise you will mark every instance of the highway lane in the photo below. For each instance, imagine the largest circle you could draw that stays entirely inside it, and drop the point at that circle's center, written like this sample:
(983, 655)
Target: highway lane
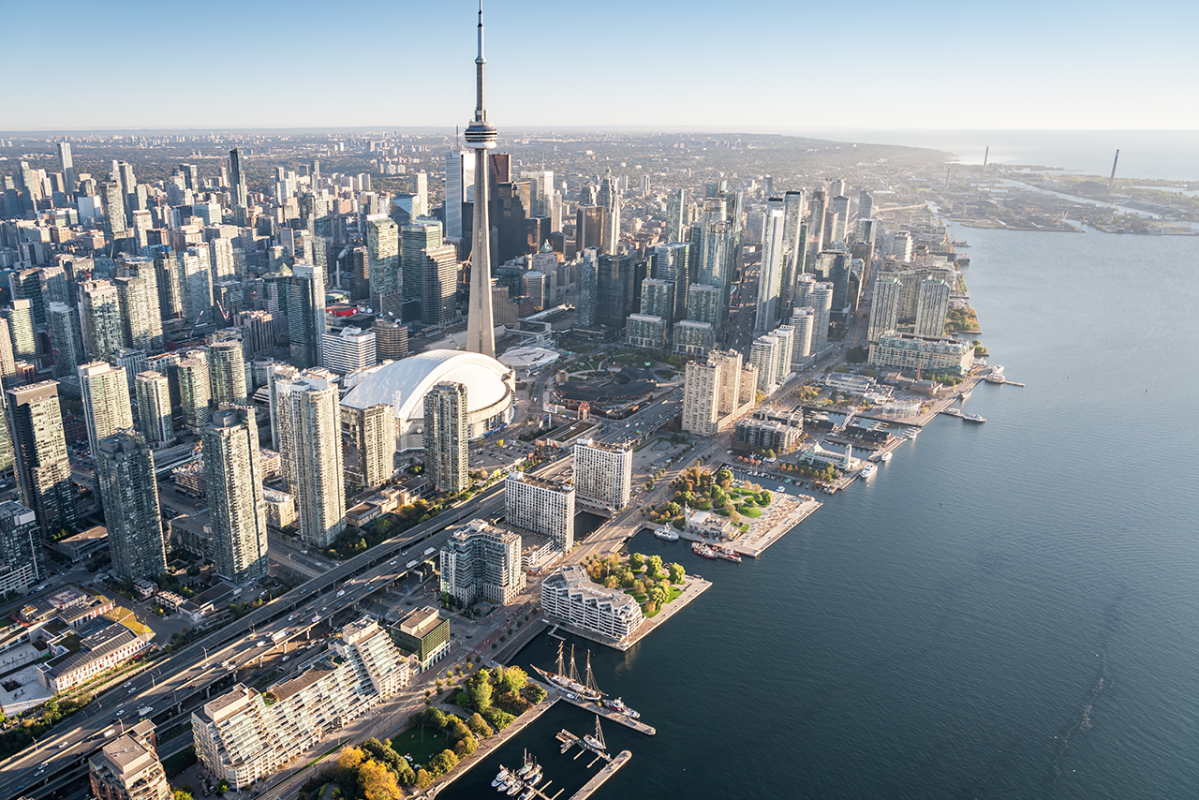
(194, 665)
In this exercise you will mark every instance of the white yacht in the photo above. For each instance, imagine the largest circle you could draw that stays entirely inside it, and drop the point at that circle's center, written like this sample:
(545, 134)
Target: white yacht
(867, 470)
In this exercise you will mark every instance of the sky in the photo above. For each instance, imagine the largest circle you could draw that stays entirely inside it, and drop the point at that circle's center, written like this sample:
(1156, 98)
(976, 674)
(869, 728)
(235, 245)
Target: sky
(769, 66)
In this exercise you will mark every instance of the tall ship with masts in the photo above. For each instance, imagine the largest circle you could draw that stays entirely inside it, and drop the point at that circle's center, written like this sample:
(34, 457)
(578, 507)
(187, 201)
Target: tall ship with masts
(568, 678)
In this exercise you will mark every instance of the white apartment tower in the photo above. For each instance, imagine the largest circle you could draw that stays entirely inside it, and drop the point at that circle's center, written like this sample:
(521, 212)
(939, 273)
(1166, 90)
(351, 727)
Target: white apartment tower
(481, 560)
(603, 474)
(541, 506)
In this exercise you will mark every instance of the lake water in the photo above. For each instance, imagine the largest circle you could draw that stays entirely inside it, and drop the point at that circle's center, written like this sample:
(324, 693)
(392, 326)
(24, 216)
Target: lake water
(1005, 610)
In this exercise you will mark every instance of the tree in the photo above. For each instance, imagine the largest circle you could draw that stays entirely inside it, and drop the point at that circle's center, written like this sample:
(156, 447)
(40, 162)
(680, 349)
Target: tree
(514, 679)
(610, 582)
(478, 725)
(404, 773)
(350, 759)
(423, 778)
(637, 561)
(182, 793)
(654, 566)
(677, 573)
(443, 762)
(734, 517)
(480, 692)
(626, 577)
(466, 745)
(765, 498)
(378, 782)
(462, 699)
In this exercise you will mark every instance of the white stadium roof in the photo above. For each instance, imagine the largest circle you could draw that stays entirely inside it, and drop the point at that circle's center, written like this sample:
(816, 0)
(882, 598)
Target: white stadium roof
(404, 383)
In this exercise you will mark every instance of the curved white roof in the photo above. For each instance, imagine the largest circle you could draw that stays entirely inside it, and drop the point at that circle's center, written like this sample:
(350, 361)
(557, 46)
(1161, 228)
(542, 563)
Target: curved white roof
(528, 357)
(414, 376)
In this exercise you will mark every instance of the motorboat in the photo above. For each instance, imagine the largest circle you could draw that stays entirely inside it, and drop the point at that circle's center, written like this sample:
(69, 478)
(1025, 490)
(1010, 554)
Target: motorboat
(666, 533)
(867, 470)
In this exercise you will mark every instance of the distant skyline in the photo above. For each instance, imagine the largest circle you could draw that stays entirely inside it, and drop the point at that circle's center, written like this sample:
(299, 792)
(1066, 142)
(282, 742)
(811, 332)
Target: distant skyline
(779, 68)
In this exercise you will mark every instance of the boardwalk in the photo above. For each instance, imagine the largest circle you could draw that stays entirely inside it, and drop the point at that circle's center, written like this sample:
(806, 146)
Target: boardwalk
(603, 775)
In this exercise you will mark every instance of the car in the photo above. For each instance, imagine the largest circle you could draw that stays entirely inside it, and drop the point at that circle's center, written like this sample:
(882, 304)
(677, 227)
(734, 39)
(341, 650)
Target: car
(782, 488)
(121, 713)
(286, 658)
(61, 745)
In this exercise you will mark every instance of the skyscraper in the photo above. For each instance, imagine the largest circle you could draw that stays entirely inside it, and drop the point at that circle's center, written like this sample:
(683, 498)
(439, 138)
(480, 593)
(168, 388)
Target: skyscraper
(20, 327)
(66, 345)
(884, 308)
(932, 308)
(447, 431)
(587, 295)
(609, 199)
(614, 290)
(40, 455)
(100, 319)
(22, 559)
(154, 408)
(237, 177)
(676, 211)
(480, 136)
(67, 164)
(383, 256)
(114, 211)
(770, 279)
(803, 321)
(227, 372)
(106, 406)
(459, 172)
(233, 476)
(8, 362)
(195, 389)
(671, 262)
(138, 302)
(374, 432)
(125, 473)
(309, 422)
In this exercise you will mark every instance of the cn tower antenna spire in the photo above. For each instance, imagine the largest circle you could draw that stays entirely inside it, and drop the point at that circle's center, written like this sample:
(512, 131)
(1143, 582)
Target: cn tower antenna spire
(480, 137)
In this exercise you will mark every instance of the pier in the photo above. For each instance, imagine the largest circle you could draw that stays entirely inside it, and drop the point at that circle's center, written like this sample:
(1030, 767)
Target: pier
(602, 776)
(613, 716)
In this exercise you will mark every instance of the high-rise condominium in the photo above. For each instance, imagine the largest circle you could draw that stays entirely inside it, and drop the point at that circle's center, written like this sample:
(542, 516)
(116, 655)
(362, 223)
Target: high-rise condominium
(308, 417)
(374, 432)
(125, 472)
(153, 392)
(603, 474)
(100, 319)
(541, 506)
(233, 476)
(446, 436)
(884, 308)
(770, 280)
(932, 308)
(21, 552)
(40, 455)
(20, 327)
(106, 406)
(227, 371)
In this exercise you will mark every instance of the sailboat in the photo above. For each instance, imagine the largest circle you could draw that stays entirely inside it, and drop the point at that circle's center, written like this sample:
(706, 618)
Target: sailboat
(568, 681)
(596, 742)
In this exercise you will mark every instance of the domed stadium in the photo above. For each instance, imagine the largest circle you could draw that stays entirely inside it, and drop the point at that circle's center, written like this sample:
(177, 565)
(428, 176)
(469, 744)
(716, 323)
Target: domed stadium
(490, 391)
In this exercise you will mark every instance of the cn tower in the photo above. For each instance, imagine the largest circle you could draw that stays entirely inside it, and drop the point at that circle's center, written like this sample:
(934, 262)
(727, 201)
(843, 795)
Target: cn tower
(480, 137)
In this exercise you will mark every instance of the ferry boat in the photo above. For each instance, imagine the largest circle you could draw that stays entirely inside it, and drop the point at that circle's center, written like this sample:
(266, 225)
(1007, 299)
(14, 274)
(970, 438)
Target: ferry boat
(619, 707)
(668, 533)
(973, 418)
(569, 681)
(867, 470)
(727, 553)
(703, 550)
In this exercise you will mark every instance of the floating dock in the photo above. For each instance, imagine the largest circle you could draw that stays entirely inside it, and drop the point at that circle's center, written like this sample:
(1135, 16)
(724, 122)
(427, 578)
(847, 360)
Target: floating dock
(613, 716)
(603, 775)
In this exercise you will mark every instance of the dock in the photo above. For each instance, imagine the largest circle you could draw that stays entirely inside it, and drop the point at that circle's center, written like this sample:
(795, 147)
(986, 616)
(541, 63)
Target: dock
(602, 776)
(613, 716)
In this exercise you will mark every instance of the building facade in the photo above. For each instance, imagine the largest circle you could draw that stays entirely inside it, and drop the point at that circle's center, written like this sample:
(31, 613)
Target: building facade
(906, 351)
(541, 506)
(570, 596)
(447, 436)
(125, 473)
(482, 561)
(233, 482)
(603, 474)
(40, 455)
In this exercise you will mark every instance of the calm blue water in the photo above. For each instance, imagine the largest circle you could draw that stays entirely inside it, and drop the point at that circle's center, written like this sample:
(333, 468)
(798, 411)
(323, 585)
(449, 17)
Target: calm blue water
(1008, 610)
